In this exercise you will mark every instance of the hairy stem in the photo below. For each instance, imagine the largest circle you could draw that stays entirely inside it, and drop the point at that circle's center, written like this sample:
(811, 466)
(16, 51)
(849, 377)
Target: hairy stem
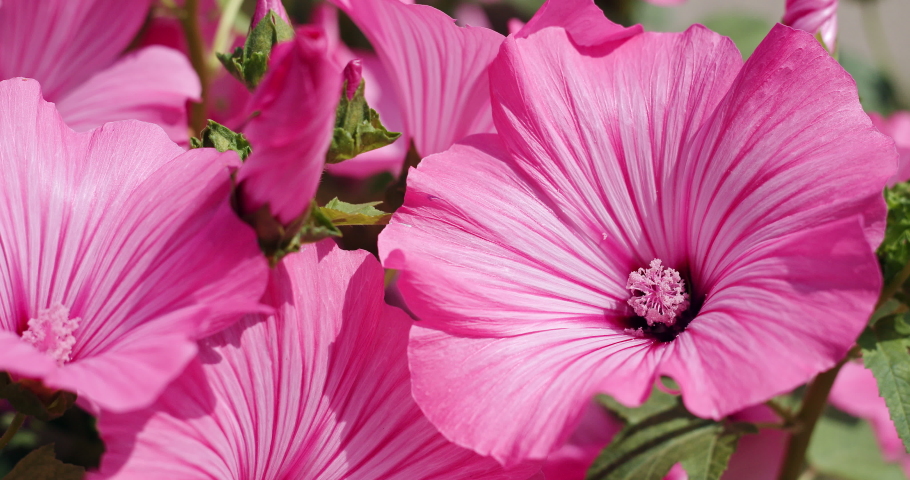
(17, 422)
(190, 21)
(811, 409)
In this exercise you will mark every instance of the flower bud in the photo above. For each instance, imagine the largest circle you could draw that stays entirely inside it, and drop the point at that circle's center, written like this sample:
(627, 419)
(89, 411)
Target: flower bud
(264, 6)
(353, 75)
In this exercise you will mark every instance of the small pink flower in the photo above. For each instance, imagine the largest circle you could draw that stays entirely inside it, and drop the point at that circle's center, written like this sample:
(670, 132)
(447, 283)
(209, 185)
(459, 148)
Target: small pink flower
(291, 132)
(74, 48)
(897, 126)
(818, 17)
(320, 390)
(758, 184)
(119, 250)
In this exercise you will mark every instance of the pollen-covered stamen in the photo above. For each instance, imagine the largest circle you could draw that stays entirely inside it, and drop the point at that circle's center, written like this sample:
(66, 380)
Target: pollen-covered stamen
(52, 333)
(658, 294)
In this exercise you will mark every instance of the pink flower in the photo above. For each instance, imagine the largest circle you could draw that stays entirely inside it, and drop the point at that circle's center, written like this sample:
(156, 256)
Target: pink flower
(318, 391)
(73, 47)
(897, 126)
(290, 135)
(856, 392)
(758, 184)
(119, 250)
(818, 17)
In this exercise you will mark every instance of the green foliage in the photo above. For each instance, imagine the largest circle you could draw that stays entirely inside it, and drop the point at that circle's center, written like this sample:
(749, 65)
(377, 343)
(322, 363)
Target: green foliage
(342, 213)
(249, 64)
(848, 450)
(357, 128)
(745, 31)
(221, 138)
(42, 464)
(661, 433)
(885, 351)
(894, 252)
(33, 399)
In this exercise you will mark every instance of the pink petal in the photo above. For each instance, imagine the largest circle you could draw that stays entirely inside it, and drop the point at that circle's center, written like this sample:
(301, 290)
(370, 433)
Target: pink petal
(602, 134)
(758, 456)
(814, 16)
(582, 19)
(62, 43)
(152, 85)
(597, 427)
(897, 126)
(297, 100)
(123, 228)
(437, 68)
(320, 391)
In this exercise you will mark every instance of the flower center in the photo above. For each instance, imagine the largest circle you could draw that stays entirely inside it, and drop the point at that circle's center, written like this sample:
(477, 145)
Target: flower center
(52, 333)
(658, 294)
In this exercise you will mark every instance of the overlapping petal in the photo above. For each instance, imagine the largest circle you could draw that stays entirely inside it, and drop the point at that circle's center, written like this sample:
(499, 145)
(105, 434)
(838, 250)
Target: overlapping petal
(818, 17)
(296, 103)
(897, 126)
(747, 179)
(320, 390)
(128, 232)
(152, 85)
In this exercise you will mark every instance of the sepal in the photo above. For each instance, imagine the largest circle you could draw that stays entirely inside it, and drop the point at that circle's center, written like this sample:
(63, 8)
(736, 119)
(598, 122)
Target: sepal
(223, 139)
(357, 126)
(32, 398)
(42, 464)
(249, 63)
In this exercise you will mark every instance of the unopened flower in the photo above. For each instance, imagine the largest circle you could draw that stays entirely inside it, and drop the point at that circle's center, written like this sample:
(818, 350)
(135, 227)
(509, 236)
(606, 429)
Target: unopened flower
(318, 391)
(119, 250)
(74, 48)
(759, 185)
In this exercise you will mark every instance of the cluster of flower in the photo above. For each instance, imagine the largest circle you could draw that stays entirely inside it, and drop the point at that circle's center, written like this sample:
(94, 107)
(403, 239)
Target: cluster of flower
(597, 210)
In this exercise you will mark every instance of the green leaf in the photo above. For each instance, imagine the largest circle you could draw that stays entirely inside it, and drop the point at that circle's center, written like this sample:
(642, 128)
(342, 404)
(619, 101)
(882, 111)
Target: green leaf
(357, 128)
(223, 139)
(341, 213)
(42, 464)
(894, 252)
(885, 352)
(848, 450)
(661, 433)
(249, 64)
(34, 399)
(317, 227)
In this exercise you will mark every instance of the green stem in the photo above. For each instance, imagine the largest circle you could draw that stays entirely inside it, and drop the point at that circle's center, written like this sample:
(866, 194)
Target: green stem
(811, 409)
(17, 422)
(190, 21)
(223, 36)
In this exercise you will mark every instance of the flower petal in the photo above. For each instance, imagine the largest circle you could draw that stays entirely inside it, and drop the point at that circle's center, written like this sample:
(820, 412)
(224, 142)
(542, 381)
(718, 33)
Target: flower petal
(319, 391)
(61, 43)
(601, 131)
(897, 126)
(438, 68)
(152, 85)
(582, 19)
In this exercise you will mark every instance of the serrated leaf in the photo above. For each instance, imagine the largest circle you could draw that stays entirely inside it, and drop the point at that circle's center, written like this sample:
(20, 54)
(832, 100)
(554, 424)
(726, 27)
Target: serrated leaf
(343, 213)
(317, 227)
(662, 433)
(223, 139)
(32, 398)
(894, 251)
(249, 63)
(357, 128)
(885, 352)
(42, 464)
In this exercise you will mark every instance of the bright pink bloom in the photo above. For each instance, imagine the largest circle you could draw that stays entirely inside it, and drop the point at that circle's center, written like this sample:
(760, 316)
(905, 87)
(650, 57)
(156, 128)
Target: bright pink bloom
(319, 391)
(818, 17)
(290, 135)
(120, 249)
(897, 126)
(263, 7)
(856, 392)
(73, 47)
(760, 184)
